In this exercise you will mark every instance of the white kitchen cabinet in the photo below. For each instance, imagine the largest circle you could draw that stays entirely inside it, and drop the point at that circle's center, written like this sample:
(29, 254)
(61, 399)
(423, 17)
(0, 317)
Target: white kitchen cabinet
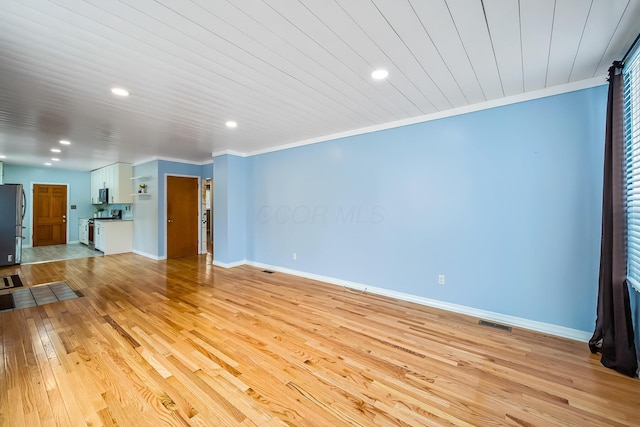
(120, 190)
(83, 230)
(98, 235)
(116, 178)
(96, 184)
(113, 237)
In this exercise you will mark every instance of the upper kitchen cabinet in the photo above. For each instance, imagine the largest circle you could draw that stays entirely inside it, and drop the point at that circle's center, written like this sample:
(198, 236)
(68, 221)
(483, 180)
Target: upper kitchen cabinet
(120, 190)
(97, 182)
(117, 179)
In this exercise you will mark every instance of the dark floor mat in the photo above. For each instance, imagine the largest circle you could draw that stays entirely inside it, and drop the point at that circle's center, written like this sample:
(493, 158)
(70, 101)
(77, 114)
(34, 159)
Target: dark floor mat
(6, 302)
(10, 282)
(36, 295)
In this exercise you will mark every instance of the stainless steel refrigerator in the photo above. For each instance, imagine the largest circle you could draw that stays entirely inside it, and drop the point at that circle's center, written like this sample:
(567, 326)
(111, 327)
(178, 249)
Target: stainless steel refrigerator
(13, 204)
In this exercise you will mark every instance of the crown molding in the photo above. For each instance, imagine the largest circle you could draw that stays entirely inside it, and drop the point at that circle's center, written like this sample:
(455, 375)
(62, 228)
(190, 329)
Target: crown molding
(514, 99)
(228, 152)
(501, 102)
(172, 159)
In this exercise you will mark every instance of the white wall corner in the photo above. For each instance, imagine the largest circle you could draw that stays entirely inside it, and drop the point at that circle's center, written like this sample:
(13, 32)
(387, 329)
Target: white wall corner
(229, 264)
(148, 255)
(229, 152)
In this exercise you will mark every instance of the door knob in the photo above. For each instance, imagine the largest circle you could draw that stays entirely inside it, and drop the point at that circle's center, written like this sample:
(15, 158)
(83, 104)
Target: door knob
(64, 216)
(169, 220)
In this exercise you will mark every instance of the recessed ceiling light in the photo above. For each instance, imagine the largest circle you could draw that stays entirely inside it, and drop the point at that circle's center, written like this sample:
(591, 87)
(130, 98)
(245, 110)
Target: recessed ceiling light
(119, 91)
(47, 164)
(379, 74)
(55, 159)
(65, 142)
(231, 124)
(3, 157)
(56, 150)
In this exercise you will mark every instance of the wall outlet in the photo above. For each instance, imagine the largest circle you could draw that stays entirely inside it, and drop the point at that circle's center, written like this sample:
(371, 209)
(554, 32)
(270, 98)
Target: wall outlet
(294, 256)
(441, 279)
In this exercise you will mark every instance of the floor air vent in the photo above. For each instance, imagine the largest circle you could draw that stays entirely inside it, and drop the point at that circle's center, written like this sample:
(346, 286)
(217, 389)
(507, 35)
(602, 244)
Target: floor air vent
(267, 271)
(495, 325)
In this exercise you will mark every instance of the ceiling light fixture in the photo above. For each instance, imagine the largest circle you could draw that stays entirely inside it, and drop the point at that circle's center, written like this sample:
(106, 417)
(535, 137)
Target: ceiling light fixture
(3, 157)
(231, 124)
(119, 91)
(56, 150)
(55, 159)
(380, 74)
(65, 142)
(47, 164)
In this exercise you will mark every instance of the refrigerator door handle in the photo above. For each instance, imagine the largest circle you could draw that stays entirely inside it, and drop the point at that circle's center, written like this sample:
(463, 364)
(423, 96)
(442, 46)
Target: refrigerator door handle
(24, 203)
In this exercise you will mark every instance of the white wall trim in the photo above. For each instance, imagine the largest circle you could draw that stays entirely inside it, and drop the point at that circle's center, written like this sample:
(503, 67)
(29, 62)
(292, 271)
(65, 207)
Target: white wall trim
(189, 162)
(514, 99)
(145, 161)
(148, 255)
(171, 159)
(229, 152)
(508, 100)
(533, 325)
(230, 264)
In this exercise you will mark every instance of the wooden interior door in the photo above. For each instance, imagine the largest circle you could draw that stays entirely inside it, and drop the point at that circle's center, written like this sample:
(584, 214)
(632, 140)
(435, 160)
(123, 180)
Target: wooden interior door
(49, 214)
(183, 197)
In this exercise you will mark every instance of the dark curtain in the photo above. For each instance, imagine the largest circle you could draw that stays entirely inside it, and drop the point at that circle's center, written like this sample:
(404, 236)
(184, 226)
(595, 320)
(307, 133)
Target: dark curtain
(613, 335)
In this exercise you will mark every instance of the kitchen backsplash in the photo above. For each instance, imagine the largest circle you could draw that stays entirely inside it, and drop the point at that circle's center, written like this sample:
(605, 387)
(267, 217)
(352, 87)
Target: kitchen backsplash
(127, 210)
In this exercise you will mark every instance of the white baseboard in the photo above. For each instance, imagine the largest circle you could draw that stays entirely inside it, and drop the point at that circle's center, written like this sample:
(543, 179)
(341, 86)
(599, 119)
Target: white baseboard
(231, 264)
(73, 242)
(533, 325)
(145, 254)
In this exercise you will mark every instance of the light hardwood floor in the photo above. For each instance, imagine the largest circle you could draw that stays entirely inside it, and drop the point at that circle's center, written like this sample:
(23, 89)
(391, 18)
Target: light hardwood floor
(181, 342)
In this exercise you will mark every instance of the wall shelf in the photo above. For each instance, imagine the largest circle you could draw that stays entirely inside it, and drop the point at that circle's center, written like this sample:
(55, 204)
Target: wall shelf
(141, 194)
(141, 177)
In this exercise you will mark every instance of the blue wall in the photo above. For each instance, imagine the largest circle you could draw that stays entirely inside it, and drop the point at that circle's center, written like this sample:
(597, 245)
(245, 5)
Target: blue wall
(206, 170)
(504, 202)
(220, 210)
(230, 212)
(149, 210)
(79, 191)
(145, 210)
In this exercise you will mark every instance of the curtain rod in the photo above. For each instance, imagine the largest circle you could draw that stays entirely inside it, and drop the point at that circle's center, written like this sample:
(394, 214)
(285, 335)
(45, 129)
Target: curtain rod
(633, 45)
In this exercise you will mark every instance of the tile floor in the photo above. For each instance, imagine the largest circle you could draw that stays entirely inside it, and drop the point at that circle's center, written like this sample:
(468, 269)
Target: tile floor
(57, 253)
(40, 295)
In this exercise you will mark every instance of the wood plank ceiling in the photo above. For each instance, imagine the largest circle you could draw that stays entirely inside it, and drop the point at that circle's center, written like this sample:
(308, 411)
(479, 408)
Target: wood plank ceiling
(285, 70)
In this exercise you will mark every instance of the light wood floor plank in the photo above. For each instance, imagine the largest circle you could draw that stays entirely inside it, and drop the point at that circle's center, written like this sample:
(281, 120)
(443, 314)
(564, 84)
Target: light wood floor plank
(184, 343)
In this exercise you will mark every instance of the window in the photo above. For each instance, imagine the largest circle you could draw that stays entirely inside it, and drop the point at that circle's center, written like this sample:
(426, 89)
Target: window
(631, 73)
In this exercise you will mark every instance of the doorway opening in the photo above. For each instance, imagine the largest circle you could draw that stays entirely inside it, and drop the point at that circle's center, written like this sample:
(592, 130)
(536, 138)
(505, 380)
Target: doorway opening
(207, 208)
(50, 227)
